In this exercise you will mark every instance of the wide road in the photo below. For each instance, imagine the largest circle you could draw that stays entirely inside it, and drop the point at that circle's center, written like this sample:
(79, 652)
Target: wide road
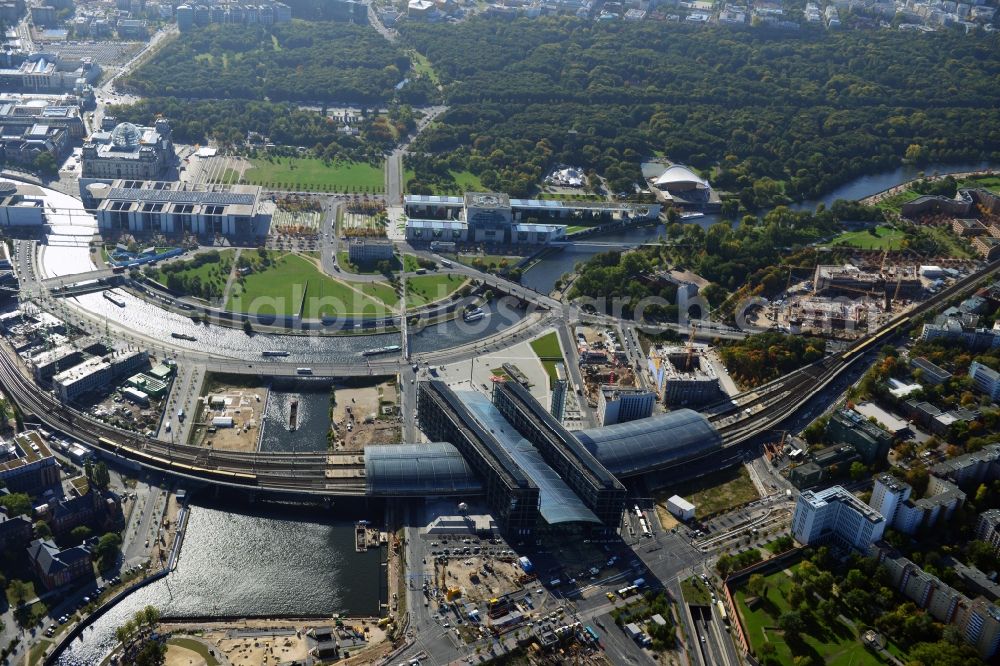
(394, 169)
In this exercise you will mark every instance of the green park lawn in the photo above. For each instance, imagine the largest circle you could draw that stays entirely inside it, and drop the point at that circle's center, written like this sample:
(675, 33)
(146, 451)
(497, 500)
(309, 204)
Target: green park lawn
(344, 261)
(835, 645)
(485, 261)
(282, 285)
(423, 289)
(883, 238)
(459, 182)
(466, 181)
(956, 247)
(29, 593)
(38, 651)
(895, 202)
(216, 272)
(422, 66)
(381, 291)
(694, 592)
(309, 173)
(549, 352)
(410, 263)
(991, 183)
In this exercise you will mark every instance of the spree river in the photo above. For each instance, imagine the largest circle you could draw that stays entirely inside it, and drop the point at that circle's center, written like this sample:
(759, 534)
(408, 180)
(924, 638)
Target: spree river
(542, 277)
(273, 562)
(245, 564)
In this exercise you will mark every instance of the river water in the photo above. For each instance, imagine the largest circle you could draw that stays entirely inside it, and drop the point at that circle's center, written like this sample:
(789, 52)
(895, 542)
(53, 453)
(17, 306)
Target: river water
(245, 564)
(312, 417)
(264, 563)
(542, 276)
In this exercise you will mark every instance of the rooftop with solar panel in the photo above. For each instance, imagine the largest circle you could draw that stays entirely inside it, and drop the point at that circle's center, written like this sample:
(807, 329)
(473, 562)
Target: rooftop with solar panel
(170, 207)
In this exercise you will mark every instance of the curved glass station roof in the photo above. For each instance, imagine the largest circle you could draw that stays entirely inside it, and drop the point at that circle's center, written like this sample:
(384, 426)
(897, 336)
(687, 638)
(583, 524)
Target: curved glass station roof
(637, 447)
(418, 469)
(557, 503)
(624, 449)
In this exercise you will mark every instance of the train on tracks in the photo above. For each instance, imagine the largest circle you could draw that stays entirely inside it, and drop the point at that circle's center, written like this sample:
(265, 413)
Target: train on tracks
(166, 464)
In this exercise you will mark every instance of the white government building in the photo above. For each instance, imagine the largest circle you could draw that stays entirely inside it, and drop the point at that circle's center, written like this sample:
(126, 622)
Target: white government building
(175, 207)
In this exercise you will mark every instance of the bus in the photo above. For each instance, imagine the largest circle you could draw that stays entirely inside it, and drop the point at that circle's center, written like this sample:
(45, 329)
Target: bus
(304, 371)
(446, 263)
(593, 634)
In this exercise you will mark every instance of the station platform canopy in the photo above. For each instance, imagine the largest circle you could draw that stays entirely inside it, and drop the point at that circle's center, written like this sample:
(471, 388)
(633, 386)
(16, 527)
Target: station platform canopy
(418, 469)
(557, 501)
(646, 445)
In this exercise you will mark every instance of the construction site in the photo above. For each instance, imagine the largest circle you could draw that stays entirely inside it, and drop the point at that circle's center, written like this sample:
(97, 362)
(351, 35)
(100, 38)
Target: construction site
(229, 417)
(362, 415)
(685, 376)
(603, 362)
(850, 300)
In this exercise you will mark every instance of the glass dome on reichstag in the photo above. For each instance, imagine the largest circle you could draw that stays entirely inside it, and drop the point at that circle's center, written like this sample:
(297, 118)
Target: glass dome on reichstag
(126, 135)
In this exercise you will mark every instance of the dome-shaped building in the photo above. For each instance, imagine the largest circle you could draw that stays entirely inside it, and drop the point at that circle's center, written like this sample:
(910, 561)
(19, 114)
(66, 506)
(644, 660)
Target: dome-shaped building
(126, 135)
(681, 187)
(126, 150)
(679, 178)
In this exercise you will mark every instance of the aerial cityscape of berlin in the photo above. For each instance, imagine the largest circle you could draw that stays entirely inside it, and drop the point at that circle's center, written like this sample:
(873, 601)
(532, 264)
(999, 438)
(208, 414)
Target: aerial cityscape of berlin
(508, 332)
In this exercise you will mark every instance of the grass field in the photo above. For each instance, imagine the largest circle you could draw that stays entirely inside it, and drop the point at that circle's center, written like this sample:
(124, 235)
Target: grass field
(549, 352)
(484, 261)
(883, 238)
(424, 289)
(834, 645)
(716, 492)
(309, 173)
(194, 646)
(896, 201)
(422, 66)
(344, 261)
(381, 291)
(945, 237)
(460, 182)
(991, 183)
(410, 263)
(279, 289)
(215, 273)
(29, 593)
(467, 181)
(37, 651)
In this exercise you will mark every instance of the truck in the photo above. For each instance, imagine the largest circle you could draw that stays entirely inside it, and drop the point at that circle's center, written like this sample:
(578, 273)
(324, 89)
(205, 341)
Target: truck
(680, 508)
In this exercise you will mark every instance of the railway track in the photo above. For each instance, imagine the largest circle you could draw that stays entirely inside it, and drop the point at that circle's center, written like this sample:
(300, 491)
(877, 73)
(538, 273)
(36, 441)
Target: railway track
(343, 474)
(322, 473)
(773, 399)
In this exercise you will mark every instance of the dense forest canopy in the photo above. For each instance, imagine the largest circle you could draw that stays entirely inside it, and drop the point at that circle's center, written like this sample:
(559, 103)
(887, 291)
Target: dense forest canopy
(807, 111)
(229, 121)
(297, 61)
